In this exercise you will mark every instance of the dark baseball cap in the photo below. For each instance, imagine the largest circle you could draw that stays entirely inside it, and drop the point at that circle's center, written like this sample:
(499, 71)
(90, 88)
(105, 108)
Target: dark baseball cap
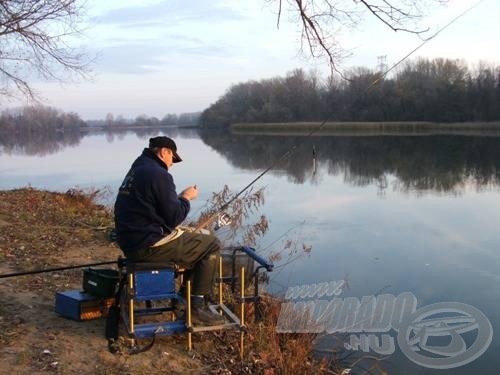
(163, 141)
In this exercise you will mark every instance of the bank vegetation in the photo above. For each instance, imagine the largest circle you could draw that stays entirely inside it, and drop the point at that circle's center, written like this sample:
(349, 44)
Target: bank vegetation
(42, 229)
(438, 90)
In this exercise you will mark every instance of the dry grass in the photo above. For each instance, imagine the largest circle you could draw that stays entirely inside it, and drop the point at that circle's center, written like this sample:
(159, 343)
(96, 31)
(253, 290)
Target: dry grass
(266, 351)
(44, 224)
(42, 229)
(246, 225)
(287, 353)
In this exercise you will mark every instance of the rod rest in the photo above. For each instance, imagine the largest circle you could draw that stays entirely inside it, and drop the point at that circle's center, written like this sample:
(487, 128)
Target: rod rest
(253, 254)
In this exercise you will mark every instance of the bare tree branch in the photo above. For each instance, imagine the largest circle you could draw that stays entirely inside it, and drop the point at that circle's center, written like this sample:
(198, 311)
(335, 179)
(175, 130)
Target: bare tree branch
(321, 20)
(33, 37)
(392, 16)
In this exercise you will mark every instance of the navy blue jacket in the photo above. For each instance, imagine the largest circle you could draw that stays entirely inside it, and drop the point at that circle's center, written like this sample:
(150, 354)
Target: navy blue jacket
(147, 207)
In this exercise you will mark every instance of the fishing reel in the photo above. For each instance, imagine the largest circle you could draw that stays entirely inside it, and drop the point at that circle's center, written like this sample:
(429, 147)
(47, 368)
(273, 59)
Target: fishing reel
(223, 220)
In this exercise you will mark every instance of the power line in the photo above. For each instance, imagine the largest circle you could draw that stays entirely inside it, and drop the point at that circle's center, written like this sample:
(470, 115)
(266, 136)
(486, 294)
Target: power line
(313, 131)
(284, 156)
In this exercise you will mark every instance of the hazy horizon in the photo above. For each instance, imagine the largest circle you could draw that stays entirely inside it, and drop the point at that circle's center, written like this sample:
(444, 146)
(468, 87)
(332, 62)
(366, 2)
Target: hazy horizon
(176, 57)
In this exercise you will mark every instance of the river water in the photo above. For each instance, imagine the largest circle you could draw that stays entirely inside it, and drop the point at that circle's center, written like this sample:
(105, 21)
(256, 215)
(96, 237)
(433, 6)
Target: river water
(385, 214)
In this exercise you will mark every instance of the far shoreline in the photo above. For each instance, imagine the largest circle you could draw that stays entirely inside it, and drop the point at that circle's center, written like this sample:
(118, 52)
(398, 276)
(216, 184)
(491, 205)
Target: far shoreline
(421, 128)
(135, 127)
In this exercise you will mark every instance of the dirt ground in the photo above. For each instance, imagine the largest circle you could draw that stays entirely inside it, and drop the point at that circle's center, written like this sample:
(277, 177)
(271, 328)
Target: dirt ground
(40, 230)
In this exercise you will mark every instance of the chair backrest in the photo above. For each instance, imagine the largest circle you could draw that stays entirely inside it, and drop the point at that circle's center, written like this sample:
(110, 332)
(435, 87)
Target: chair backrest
(154, 284)
(152, 281)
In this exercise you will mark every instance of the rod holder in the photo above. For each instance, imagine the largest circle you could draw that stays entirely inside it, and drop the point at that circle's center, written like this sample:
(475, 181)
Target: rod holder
(131, 307)
(242, 312)
(220, 284)
(189, 325)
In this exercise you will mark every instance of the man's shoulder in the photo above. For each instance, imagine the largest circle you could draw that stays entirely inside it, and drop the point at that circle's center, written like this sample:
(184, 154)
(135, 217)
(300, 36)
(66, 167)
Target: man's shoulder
(152, 172)
(145, 163)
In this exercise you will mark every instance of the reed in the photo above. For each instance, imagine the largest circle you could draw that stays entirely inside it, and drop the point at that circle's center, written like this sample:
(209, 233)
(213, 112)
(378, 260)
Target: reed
(368, 128)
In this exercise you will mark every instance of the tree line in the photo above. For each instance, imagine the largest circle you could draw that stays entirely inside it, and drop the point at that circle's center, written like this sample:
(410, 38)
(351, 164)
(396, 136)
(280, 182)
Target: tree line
(38, 130)
(40, 118)
(170, 119)
(437, 90)
(41, 130)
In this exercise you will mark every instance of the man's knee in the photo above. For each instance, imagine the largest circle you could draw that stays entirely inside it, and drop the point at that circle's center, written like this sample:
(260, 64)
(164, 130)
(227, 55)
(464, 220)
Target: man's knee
(215, 244)
(212, 257)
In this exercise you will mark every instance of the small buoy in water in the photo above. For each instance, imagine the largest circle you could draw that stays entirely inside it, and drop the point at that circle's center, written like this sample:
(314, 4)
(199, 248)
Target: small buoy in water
(314, 161)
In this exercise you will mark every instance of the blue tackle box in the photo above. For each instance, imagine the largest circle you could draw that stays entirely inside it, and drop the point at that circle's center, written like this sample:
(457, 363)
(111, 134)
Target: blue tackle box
(78, 305)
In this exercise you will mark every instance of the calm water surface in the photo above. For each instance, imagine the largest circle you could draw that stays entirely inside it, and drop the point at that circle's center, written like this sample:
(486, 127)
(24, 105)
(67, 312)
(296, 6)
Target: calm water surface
(387, 214)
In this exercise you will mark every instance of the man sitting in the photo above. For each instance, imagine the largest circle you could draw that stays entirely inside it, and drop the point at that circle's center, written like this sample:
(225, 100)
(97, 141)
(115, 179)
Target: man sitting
(147, 213)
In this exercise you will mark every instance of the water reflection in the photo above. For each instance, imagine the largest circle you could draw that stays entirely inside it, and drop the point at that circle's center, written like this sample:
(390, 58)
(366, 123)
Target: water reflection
(50, 142)
(38, 143)
(441, 249)
(442, 163)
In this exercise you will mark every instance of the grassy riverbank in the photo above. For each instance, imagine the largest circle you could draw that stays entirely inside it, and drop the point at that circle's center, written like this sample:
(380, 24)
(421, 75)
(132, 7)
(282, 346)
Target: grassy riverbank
(369, 128)
(41, 229)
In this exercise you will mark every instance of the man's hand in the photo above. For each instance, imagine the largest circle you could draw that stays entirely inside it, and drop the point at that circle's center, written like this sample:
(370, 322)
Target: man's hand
(189, 193)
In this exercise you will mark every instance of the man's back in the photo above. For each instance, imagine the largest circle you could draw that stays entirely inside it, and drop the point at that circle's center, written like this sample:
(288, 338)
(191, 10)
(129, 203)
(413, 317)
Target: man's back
(147, 206)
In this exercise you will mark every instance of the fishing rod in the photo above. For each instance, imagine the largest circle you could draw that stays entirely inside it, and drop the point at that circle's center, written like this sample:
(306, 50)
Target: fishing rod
(315, 130)
(217, 213)
(64, 268)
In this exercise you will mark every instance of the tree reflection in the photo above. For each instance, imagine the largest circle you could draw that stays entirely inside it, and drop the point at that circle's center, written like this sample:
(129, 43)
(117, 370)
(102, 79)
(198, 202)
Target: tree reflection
(38, 143)
(443, 163)
(42, 143)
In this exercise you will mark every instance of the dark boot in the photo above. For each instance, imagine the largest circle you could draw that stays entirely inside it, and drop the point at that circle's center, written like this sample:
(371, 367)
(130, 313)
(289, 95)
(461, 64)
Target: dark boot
(202, 315)
(203, 275)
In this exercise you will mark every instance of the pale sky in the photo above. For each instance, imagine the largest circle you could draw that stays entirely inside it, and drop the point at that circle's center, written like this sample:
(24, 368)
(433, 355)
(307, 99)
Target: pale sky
(158, 57)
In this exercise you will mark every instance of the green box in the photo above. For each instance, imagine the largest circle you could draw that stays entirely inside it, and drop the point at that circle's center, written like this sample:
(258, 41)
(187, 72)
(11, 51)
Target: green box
(100, 282)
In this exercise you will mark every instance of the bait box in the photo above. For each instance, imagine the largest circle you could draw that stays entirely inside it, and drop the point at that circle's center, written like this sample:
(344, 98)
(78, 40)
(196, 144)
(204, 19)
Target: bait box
(100, 282)
(79, 305)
